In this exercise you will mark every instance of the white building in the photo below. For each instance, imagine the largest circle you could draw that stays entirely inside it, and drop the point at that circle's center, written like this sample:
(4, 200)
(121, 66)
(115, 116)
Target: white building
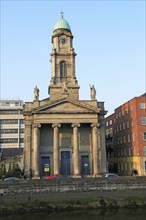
(11, 128)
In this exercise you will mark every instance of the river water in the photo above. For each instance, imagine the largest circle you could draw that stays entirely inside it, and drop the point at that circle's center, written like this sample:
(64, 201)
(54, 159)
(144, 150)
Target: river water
(115, 214)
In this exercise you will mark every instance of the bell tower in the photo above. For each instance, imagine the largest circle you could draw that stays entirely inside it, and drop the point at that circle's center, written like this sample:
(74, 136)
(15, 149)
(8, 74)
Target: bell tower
(63, 80)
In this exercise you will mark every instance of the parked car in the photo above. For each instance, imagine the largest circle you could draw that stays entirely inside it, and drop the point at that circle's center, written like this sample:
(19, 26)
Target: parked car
(110, 175)
(55, 176)
(11, 178)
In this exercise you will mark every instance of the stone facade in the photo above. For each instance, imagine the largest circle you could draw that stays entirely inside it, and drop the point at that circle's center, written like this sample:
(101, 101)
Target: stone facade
(64, 135)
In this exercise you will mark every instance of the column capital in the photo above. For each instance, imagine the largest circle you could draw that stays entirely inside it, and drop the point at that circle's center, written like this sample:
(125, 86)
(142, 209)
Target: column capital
(95, 125)
(36, 125)
(28, 123)
(75, 125)
(56, 125)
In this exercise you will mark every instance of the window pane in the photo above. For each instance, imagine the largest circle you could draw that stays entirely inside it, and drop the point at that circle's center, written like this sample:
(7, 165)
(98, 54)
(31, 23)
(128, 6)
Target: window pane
(143, 120)
(142, 105)
(144, 136)
(144, 151)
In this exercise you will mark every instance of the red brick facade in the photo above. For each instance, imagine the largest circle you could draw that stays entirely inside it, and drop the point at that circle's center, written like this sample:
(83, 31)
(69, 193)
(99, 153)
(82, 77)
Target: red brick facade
(126, 137)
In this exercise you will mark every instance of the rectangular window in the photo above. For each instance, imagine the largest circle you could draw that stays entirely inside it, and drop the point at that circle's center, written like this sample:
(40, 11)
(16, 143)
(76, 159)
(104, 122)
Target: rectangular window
(127, 124)
(21, 121)
(129, 151)
(123, 125)
(124, 139)
(143, 120)
(142, 105)
(128, 137)
(110, 122)
(144, 136)
(16, 103)
(144, 150)
(9, 131)
(7, 103)
(9, 140)
(111, 132)
(21, 130)
(9, 121)
(118, 141)
(21, 140)
(9, 112)
(145, 165)
(65, 139)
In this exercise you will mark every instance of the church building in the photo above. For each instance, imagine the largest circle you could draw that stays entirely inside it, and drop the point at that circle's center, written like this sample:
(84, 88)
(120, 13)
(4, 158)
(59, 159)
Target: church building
(64, 135)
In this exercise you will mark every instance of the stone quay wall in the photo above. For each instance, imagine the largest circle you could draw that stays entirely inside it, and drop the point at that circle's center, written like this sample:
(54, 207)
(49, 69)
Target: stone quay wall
(25, 196)
(67, 185)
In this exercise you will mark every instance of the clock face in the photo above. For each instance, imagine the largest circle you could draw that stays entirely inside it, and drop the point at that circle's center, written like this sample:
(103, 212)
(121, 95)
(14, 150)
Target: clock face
(62, 40)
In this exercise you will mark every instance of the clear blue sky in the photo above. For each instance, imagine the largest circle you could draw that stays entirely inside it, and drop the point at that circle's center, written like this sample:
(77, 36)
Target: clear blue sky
(109, 39)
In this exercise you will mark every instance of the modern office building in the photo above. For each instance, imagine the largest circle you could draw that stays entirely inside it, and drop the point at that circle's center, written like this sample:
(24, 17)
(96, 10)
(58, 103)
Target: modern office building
(11, 128)
(126, 137)
(64, 135)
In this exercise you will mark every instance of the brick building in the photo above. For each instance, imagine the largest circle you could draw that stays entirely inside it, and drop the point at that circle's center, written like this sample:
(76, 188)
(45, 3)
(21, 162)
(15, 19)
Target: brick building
(126, 137)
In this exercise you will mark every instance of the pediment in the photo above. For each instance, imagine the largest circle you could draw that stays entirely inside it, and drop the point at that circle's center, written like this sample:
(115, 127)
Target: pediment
(66, 106)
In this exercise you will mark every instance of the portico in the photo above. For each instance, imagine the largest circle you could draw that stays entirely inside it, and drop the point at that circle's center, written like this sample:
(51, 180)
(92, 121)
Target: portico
(63, 141)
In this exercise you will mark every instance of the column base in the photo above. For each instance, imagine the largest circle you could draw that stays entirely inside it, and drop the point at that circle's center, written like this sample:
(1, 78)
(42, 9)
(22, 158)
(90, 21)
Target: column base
(36, 178)
(96, 175)
(76, 176)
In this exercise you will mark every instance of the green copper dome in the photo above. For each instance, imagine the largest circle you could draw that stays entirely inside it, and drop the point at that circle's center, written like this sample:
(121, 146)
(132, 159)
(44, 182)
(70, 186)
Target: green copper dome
(62, 23)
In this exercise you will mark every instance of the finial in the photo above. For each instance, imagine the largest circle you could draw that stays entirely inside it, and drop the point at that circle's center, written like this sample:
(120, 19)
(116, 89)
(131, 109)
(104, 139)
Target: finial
(61, 14)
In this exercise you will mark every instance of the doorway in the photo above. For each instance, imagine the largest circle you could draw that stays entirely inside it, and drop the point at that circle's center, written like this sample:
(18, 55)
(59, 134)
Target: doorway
(85, 165)
(65, 163)
(46, 166)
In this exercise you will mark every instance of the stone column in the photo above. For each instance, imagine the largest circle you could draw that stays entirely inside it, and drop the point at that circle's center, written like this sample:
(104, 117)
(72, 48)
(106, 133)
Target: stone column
(103, 148)
(27, 148)
(36, 140)
(56, 147)
(95, 148)
(76, 149)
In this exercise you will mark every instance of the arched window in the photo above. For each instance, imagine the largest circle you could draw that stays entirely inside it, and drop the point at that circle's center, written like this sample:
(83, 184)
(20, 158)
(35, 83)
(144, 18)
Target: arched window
(63, 69)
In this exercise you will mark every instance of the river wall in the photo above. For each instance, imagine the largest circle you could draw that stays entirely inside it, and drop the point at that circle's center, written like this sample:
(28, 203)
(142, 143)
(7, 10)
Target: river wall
(24, 196)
